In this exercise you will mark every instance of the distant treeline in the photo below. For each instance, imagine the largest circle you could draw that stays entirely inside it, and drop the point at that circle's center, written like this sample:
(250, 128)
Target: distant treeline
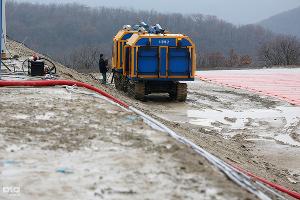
(68, 32)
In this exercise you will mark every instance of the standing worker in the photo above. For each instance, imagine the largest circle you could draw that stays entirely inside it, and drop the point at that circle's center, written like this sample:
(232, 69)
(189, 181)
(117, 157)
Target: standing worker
(103, 68)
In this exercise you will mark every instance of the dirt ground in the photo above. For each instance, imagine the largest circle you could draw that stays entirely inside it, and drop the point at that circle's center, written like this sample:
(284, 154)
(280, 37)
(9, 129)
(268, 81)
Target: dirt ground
(260, 134)
(254, 132)
(62, 143)
(59, 145)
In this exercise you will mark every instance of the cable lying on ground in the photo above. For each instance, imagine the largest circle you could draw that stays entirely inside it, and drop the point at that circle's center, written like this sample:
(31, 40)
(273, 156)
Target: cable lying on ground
(238, 175)
(46, 83)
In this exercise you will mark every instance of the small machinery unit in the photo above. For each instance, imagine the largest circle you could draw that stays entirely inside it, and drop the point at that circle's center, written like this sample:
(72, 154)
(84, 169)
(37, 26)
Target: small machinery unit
(36, 67)
(149, 60)
(39, 66)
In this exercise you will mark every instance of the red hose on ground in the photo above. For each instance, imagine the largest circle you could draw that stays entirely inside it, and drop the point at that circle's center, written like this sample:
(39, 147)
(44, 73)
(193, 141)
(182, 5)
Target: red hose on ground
(273, 185)
(45, 83)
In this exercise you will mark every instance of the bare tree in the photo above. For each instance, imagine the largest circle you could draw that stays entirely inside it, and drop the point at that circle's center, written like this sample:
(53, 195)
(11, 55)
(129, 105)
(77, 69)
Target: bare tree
(218, 61)
(245, 60)
(211, 61)
(283, 50)
(84, 59)
(234, 59)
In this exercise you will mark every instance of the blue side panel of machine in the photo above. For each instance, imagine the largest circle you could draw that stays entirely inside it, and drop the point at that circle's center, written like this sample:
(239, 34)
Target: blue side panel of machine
(171, 42)
(127, 36)
(163, 62)
(143, 42)
(185, 43)
(179, 62)
(148, 61)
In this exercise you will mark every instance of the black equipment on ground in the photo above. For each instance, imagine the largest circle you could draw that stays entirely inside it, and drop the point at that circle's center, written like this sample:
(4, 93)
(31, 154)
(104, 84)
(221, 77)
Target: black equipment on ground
(39, 67)
(36, 68)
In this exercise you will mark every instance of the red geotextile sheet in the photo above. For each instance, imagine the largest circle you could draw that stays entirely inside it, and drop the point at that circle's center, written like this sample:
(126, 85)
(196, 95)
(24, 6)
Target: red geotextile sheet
(284, 86)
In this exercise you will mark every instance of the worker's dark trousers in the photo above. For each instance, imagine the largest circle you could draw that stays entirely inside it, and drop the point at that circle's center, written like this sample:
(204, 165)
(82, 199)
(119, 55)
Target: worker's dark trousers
(104, 78)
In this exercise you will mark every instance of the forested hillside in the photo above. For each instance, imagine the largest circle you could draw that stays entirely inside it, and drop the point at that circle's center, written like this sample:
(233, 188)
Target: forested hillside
(286, 23)
(66, 32)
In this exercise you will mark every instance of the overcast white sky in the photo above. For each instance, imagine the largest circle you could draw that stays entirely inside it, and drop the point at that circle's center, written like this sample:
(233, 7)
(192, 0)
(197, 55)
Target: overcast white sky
(234, 11)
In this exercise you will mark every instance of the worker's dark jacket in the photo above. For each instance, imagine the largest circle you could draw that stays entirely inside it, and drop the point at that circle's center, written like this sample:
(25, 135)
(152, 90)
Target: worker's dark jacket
(103, 65)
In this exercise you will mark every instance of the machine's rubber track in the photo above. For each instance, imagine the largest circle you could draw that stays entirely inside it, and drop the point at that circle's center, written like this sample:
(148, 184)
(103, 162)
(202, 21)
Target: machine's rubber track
(181, 92)
(173, 93)
(139, 91)
(117, 80)
(124, 84)
(121, 83)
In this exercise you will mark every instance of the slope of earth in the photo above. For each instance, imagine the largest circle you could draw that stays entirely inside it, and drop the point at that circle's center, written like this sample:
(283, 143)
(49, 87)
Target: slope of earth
(239, 145)
(55, 144)
(64, 143)
(259, 133)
